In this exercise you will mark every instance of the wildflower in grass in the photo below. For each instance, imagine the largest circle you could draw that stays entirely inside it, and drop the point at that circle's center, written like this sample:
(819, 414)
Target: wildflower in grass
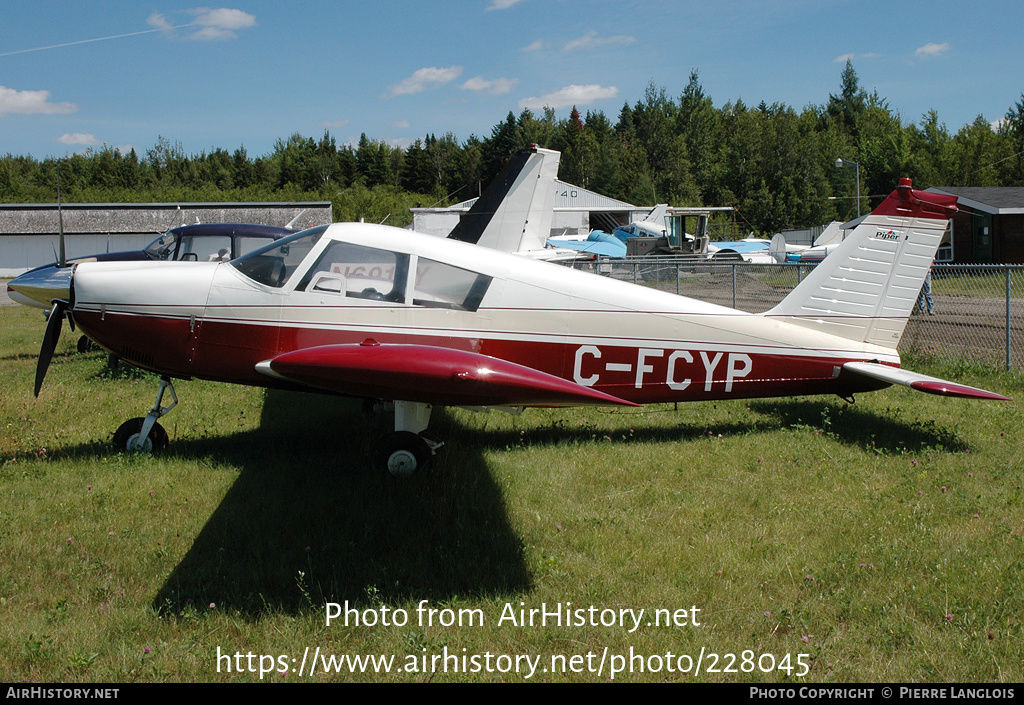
(920, 491)
(863, 565)
(808, 577)
(110, 533)
(949, 618)
(970, 474)
(914, 463)
(767, 613)
(804, 639)
(213, 605)
(977, 516)
(88, 488)
(71, 540)
(147, 650)
(871, 566)
(943, 488)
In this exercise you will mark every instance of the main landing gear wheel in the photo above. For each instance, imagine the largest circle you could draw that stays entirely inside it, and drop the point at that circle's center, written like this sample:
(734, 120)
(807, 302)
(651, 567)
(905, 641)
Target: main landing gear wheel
(404, 453)
(127, 437)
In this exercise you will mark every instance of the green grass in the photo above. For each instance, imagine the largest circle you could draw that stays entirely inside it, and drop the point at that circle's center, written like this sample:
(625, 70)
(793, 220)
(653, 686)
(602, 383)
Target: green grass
(882, 540)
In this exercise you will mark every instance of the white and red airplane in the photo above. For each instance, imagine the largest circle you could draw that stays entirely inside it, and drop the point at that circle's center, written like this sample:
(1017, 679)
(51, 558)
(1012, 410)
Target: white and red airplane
(384, 313)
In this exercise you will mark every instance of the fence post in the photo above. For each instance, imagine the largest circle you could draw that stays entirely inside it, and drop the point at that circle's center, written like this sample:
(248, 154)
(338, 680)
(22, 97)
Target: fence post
(734, 285)
(1007, 270)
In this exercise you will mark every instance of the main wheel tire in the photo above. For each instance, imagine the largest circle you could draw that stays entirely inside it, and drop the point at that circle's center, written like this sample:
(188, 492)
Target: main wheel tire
(85, 345)
(404, 453)
(126, 437)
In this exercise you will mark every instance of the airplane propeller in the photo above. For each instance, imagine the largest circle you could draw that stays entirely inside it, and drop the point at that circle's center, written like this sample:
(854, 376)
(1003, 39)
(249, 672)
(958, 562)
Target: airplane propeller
(60, 309)
(50, 337)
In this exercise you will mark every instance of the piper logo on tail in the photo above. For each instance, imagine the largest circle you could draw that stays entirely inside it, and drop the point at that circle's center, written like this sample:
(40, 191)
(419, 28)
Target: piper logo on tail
(887, 235)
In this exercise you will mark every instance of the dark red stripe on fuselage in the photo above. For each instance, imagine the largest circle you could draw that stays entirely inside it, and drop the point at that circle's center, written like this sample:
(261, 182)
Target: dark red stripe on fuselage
(229, 351)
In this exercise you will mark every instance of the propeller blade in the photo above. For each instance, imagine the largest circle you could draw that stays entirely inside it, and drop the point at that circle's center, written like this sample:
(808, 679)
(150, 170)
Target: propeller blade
(50, 338)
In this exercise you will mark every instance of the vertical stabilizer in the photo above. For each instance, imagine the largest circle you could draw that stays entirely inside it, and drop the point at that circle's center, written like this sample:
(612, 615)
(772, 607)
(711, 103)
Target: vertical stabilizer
(514, 212)
(866, 289)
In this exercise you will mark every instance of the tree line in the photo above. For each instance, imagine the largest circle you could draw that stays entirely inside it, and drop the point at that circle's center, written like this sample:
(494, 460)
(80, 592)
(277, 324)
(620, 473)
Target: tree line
(774, 164)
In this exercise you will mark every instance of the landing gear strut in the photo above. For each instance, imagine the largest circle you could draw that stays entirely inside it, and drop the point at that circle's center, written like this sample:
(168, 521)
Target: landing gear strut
(409, 450)
(145, 435)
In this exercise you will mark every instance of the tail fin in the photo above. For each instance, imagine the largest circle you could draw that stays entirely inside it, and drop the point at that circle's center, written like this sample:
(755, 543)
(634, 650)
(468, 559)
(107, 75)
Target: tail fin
(866, 289)
(515, 210)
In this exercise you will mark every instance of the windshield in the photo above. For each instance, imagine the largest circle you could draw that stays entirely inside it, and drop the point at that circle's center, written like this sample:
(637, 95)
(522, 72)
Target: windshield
(274, 264)
(163, 246)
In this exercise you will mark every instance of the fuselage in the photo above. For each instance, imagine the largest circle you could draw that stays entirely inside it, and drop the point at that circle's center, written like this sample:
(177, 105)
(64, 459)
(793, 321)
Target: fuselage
(360, 281)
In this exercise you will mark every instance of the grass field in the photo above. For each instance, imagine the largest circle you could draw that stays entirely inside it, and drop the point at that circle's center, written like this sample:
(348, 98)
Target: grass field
(877, 542)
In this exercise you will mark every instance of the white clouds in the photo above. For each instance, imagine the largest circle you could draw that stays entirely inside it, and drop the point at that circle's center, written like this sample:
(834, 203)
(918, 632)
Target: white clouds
(570, 96)
(401, 124)
(334, 123)
(535, 46)
(158, 21)
(31, 103)
(213, 25)
(429, 77)
(498, 86)
(931, 50)
(221, 23)
(502, 4)
(79, 138)
(590, 40)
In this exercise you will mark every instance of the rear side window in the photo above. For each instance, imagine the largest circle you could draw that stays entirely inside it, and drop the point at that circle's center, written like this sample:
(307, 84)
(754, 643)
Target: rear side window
(441, 285)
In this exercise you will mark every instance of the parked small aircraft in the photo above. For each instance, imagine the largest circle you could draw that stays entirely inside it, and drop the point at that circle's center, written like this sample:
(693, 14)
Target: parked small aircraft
(383, 313)
(206, 242)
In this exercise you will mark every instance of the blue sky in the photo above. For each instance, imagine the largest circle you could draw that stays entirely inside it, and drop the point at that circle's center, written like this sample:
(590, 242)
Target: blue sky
(119, 73)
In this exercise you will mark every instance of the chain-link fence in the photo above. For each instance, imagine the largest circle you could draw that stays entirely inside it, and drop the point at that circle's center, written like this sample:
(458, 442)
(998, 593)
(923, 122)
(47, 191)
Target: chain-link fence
(978, 308)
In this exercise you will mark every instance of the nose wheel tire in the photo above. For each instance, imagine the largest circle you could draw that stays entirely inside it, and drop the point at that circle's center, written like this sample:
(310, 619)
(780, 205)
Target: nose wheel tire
(127, 437)
(404, 453)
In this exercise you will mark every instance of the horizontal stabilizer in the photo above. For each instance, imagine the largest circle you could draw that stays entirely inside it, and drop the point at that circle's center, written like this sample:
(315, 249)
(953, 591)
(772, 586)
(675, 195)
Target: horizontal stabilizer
(920, 382)
(434, 375)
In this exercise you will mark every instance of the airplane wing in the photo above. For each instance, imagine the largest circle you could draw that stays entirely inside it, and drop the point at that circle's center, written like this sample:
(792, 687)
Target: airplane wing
(427, 374)
(920, 382)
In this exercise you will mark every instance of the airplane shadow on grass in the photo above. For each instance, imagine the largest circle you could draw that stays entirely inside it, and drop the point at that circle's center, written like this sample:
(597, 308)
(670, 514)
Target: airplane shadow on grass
(855, 425)
(307, 521)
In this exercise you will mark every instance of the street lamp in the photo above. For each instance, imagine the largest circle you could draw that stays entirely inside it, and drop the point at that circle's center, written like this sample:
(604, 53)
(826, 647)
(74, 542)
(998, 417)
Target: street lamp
(840, 163)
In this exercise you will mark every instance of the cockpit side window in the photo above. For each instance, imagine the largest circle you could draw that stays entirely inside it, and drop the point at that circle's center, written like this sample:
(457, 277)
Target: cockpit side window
(359, 272)
(440, 285)
(274, 264)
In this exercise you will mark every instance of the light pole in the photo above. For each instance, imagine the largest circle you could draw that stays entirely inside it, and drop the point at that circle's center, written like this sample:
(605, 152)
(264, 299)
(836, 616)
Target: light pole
(840, 163)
